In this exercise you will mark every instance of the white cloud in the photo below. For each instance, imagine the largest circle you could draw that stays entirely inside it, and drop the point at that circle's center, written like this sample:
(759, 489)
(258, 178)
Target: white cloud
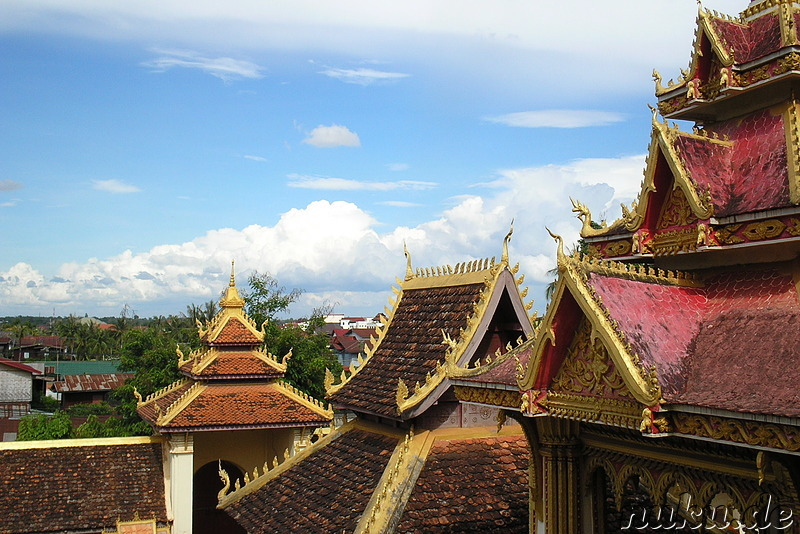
(224, 68)
(363, 76)
(558, 118)
(10, 203)
(9, 185)
(334, 249)
(114, 186)
(254, 158)
(332, 136)
(343, 184)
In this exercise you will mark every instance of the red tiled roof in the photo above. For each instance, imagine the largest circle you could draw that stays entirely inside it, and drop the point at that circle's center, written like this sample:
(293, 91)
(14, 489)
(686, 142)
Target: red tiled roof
(101, 382)
(20, 366)
(326, 492)
(471, 485)
(703, 341)
(80, 489)
(235, 333)
(750, 41)
(224, 405)
(749, 175)
(411, 347)
(232, 364)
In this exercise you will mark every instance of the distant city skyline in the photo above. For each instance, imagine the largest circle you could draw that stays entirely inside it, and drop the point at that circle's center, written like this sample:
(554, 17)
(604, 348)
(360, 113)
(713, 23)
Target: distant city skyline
(144, 146)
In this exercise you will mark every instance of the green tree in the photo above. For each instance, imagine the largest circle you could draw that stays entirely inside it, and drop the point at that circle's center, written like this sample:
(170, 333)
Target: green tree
(265, 298)
(42, 426)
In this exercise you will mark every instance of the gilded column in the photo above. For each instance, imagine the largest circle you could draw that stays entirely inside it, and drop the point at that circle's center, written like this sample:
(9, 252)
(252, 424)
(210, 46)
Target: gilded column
(559, 448)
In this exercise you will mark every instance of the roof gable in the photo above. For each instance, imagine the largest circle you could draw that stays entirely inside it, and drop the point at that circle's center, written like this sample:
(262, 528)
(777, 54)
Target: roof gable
(442, 319)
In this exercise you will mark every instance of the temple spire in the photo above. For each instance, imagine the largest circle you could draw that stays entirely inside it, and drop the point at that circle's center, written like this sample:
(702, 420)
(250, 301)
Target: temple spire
(231, 298)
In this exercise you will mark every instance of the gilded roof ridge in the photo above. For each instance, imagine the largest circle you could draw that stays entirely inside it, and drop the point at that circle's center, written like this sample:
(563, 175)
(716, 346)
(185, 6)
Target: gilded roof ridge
(306, 399)
(497, 359)
(179, 404)
(226, 497)
(385, 322)
(205, 356)
(163, 391)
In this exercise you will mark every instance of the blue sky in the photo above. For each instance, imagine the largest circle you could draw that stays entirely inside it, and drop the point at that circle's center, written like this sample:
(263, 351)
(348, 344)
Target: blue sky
(143, 147)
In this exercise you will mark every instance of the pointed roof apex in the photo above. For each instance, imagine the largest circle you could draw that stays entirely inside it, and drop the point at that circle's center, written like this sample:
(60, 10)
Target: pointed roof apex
(504, 257)
(232, 299)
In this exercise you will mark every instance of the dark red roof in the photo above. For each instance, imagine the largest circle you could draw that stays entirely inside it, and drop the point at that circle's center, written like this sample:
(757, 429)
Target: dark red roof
(326, 492)
(471, 485)
(411, 347)
(504, 374)
(704, 341)
(101, 382)
(750, 174)
(80, 489)
(751, 41)
(20, 366)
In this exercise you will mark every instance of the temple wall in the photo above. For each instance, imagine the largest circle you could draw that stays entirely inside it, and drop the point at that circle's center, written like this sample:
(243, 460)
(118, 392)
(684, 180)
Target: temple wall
(245, 448)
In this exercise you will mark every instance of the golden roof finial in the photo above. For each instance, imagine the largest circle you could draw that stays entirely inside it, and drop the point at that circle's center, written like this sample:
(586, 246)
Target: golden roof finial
(233, 275)
(561, 257)
(409, 269)
(504, 257)
(231, 298)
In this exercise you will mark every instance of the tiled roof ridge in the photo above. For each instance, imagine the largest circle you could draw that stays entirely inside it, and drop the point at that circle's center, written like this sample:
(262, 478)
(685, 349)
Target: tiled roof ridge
(407, 398)
(489, 363)
(663, 136)
(641, 380)
(370, 348)
(305, 399)
(226, 497)
(161, 392)
(179, 404)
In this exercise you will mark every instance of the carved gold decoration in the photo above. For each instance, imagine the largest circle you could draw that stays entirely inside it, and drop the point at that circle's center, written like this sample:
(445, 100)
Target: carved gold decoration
(587, 368)
(758, 231)
(754, 433)
(651, 424)
(492, 397)
(794, 229)
(304, 398)
(614, 412)
(675, 241)
(727, 234)
(226, 482)
(618, 248)
(676, 210)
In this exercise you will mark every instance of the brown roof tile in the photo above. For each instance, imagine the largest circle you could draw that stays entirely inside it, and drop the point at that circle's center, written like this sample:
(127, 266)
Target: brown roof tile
(80, 488)
(236, 405)
(326, 492)
(235, 333)
(471, 485)
(230, 364)
(411, 346)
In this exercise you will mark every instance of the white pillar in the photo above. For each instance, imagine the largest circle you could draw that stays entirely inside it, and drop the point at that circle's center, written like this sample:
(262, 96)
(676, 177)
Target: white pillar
(181, 478)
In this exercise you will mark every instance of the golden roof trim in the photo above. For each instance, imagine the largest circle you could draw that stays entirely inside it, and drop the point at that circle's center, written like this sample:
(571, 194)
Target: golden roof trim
(462, 274)
(496, 360)
(205, 356)
(163, 391)
(305, 399)
(641, 382)
(179, 404)
(80, 442)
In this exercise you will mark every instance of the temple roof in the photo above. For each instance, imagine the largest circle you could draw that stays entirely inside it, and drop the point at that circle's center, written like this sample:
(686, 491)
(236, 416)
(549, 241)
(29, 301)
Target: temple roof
(229, 364)
(190, 405)
(439, 320)
(369, 478)
(701, 340)
(80, 485)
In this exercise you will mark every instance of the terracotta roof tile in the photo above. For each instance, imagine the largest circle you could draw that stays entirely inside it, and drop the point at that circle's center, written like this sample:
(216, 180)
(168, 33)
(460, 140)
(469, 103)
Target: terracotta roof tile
(235, 333)
(327, 492)
(230, 364)
(83, 488)
(411, 346)
(239, 405)
(471, 485)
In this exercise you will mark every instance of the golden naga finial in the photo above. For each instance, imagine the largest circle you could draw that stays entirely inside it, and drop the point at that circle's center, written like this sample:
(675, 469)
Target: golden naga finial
(504, 257)
(226, 481)
(409, 269)
(561, 257)
(137, 395)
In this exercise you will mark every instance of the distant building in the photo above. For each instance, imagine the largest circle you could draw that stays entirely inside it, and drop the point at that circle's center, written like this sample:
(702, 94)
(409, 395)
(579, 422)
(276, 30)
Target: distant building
(16, 394)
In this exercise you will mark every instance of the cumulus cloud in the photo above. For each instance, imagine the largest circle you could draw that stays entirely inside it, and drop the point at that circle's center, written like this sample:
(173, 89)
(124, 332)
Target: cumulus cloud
(332, 136)
(117, 187)
(363, 76)
(9, 185)
(224, 68)
(558, 118)
(343, 184)
(337, 251)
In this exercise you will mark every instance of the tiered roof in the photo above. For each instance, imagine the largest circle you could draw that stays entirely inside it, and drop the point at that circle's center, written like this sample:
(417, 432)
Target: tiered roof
(231, 382)
(80, 485)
